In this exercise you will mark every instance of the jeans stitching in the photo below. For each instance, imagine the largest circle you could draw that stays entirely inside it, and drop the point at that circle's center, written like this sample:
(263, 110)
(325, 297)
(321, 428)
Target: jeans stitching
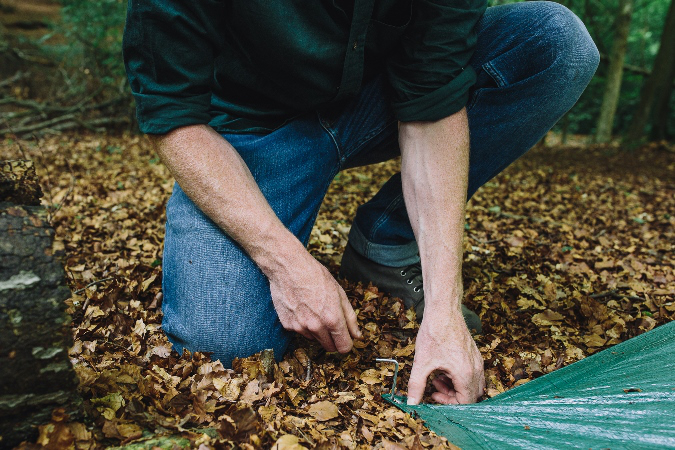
(333, 138)
(494, 73)
(365, 140)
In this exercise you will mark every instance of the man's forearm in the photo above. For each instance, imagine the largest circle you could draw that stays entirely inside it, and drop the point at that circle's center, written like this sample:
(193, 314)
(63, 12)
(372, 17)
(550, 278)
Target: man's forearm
(434, 168)
(214, 176)
(305, 296)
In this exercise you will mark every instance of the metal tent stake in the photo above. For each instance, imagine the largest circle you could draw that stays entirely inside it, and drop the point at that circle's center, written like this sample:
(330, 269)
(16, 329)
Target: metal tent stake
(393, 384)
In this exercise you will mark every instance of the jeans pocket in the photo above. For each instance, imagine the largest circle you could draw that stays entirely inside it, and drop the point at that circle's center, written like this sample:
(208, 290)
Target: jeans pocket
(491, 70)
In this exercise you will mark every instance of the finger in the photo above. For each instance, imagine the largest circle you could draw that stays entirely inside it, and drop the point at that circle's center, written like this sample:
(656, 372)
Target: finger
(482, 384)
(342, 341)
(323, 336)
(306, 334)
(442, 387)
(444, 378)
(350, 316)
(445, 399)
(417, 383)
(465, 388)
(336, 327)
(466, 393)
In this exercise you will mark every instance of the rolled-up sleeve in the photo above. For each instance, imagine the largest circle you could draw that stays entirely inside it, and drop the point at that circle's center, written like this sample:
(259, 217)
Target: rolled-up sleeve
(169, 50)
(430, 74)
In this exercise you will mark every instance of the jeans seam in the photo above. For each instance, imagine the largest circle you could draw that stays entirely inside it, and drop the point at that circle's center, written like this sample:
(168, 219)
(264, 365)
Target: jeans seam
(333, 138)
(494, 73)
(364, 140)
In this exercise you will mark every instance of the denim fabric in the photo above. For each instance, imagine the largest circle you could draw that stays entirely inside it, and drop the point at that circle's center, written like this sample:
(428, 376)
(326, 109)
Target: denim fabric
(533, 61)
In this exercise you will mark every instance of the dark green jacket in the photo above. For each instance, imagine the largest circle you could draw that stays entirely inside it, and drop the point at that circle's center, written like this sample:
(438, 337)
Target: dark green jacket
(252, 65)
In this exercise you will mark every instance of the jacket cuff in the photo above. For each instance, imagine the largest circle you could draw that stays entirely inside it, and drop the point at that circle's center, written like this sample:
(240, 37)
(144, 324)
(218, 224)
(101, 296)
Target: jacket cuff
(440, 103)
(159, 114)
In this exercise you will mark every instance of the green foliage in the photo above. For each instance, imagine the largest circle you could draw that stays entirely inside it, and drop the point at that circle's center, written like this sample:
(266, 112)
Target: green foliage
(93, 32)
(643, 45)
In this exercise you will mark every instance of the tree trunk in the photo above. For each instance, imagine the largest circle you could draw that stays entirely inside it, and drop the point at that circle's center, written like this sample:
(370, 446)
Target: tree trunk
(662, 108)
(35, 372)
(610, 99)
(658, 81)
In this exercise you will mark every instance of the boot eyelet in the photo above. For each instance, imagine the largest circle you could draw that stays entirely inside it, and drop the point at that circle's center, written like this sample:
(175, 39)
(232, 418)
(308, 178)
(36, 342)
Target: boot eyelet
(403, 273)
(416, 289)
(409, 281)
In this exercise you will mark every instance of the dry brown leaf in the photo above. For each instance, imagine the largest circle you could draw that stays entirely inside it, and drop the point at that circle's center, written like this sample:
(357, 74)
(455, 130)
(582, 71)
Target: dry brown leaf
(547, 318)
(288, 442)
(324, 410)
(532, 256)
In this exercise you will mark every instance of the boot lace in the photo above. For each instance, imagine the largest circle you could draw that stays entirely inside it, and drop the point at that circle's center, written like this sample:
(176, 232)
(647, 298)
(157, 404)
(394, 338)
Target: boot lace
(413, 275)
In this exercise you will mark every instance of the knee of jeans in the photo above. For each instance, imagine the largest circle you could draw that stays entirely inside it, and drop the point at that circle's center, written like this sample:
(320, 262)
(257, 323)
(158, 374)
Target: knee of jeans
(224, 309)
(227, 343)
(576, 57)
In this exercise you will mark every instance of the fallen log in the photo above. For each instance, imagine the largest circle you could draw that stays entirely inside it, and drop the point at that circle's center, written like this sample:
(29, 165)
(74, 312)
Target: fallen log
(35, 335)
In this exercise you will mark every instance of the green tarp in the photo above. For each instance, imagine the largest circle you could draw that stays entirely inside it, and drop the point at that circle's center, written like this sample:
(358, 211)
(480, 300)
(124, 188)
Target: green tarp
(622, 397)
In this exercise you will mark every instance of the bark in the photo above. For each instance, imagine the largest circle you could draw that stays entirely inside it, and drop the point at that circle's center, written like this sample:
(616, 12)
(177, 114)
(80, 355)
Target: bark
(610, 99)
(34, 328)
(662, 108)
(631, 67)
(658, 81)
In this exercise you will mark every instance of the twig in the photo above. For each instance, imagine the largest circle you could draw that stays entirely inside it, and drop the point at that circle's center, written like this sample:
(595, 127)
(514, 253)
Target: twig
(630, 68)
(44, 107)
(93, 283)
(308, 373)
(486, 273)
(615, 294)
(66, 122)
(481, 241)
(611, 293)
(39, 125)
(92, 124)
(14, 78)
(21, 55)
(307, 438)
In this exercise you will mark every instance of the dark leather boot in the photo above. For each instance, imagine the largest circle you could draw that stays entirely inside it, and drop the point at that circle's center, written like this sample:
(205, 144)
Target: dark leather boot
(402, 282)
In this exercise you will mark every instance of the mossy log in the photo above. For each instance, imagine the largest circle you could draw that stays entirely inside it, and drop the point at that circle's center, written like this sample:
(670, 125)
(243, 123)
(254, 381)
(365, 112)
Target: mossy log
(35, 370)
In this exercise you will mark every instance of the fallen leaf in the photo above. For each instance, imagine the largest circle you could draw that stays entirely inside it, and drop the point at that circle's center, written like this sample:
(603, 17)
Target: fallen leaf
(288, 442)
(323, 411)
(547, 318)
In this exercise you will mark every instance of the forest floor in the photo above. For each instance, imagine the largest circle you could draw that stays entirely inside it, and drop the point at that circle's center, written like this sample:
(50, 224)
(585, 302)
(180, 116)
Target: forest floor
(568, 252)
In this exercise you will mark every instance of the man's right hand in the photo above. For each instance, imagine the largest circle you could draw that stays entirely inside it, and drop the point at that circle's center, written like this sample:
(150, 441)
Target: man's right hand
(309, 301)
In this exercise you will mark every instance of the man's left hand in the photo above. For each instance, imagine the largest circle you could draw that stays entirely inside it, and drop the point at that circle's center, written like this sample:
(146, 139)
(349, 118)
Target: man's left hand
(445, 344)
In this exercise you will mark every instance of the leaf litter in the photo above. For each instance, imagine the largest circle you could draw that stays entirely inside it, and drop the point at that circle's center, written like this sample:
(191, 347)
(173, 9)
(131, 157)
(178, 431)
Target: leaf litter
(566, 253)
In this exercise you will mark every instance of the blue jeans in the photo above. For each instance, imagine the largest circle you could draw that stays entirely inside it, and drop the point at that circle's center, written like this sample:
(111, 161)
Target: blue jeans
(533, 61)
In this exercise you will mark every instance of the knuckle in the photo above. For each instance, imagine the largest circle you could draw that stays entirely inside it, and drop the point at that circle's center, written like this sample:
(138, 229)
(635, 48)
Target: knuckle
(313, 326)
(332, 323)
